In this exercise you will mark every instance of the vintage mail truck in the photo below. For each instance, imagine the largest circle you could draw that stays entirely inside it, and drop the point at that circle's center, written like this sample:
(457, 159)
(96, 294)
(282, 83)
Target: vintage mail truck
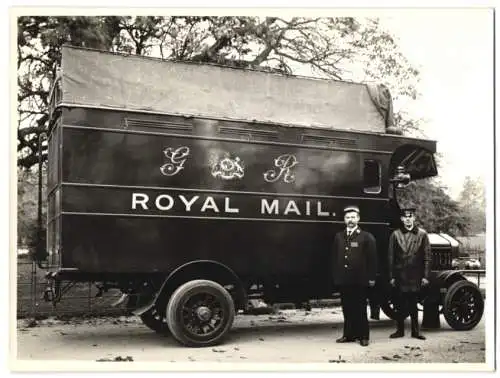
(193, 187)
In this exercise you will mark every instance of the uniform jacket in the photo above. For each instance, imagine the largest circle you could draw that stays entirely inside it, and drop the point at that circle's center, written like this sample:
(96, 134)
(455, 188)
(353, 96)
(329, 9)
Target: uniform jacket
(354, 258)
(409, 258)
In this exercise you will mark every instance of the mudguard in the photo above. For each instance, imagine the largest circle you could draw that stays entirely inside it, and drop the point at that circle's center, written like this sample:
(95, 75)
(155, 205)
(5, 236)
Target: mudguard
(444, 278)
(210, 268)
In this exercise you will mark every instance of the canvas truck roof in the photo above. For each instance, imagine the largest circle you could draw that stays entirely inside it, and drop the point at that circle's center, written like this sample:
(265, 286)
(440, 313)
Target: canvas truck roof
(102, 79)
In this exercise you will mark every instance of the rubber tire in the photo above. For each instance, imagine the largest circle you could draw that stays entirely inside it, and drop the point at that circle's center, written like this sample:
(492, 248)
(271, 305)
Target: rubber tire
(447, 303)
(387, 296)
(192, 288)
(388, 310)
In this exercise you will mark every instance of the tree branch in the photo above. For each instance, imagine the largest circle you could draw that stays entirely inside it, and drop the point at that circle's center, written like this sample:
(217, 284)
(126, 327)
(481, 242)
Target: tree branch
(208, 54)
(270, 46)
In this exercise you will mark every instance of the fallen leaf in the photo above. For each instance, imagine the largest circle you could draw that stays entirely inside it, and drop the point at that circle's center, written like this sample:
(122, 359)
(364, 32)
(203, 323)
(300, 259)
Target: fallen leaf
(261, 339)
(455, 361)
(116, 359)
(236, 348)
(243, 357)
(128, 358)
(396, 356)
(418, 354)
(63, 333)
(386, 358)
(407, 346)
(94, 345)
(482, 348)
(218, 350)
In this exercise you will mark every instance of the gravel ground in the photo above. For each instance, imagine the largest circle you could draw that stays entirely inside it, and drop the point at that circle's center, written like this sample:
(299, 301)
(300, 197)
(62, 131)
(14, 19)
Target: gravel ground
(287, 337)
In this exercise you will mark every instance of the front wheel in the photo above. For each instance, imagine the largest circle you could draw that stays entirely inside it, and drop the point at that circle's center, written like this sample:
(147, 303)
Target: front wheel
(200, 313)
(463, 305)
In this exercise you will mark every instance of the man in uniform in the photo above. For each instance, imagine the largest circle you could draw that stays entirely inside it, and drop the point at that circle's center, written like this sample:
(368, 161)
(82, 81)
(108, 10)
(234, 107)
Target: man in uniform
(409, 267)
(354, 270)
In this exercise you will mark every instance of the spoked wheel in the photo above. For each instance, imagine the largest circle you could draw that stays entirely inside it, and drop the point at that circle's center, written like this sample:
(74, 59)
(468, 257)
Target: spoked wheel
(200, 313)
(463, 305)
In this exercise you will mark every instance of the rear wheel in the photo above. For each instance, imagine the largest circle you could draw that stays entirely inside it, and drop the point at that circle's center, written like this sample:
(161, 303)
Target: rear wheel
(463, 305)
(200, 313)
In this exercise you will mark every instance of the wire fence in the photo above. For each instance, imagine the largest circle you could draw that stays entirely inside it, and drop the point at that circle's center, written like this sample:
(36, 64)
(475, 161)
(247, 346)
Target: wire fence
(79, 301)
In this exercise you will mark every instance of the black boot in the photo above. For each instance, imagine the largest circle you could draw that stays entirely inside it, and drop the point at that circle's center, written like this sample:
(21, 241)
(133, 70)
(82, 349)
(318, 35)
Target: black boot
(345, 339)
(400, 331)
(415, 329)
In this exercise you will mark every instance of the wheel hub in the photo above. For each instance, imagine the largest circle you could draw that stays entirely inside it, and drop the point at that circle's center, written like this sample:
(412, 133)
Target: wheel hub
(204, 313)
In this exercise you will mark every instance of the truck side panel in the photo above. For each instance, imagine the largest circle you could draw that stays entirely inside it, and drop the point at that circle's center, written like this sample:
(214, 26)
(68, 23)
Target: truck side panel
(135, 200)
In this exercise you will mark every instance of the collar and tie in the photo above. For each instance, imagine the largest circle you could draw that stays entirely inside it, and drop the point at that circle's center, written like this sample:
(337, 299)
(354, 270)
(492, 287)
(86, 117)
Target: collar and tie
(351, 232)
(405, 231)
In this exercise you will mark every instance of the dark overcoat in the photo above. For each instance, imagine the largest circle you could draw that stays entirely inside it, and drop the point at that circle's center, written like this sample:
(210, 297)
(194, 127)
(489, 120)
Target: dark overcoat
(354, 258)
(409, 258)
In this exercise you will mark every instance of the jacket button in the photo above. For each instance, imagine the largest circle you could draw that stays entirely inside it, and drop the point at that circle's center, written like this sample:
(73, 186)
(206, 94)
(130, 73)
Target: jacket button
(345, 266)
(346, 248)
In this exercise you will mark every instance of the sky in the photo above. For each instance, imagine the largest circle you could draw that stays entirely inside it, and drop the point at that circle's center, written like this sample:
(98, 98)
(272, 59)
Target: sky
(454, 51)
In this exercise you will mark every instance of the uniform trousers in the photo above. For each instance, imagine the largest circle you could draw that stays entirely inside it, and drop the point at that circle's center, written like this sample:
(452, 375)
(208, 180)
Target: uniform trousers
(353, 299)
(406, 302)
(374, 301)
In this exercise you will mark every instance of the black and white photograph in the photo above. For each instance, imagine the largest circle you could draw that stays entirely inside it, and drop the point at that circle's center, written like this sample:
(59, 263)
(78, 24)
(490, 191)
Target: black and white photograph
(258, 189)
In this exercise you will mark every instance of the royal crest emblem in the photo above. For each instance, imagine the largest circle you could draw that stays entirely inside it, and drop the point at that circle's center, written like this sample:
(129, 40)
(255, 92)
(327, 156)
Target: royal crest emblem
(225, 167)
(284, 165)
(176, 159)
